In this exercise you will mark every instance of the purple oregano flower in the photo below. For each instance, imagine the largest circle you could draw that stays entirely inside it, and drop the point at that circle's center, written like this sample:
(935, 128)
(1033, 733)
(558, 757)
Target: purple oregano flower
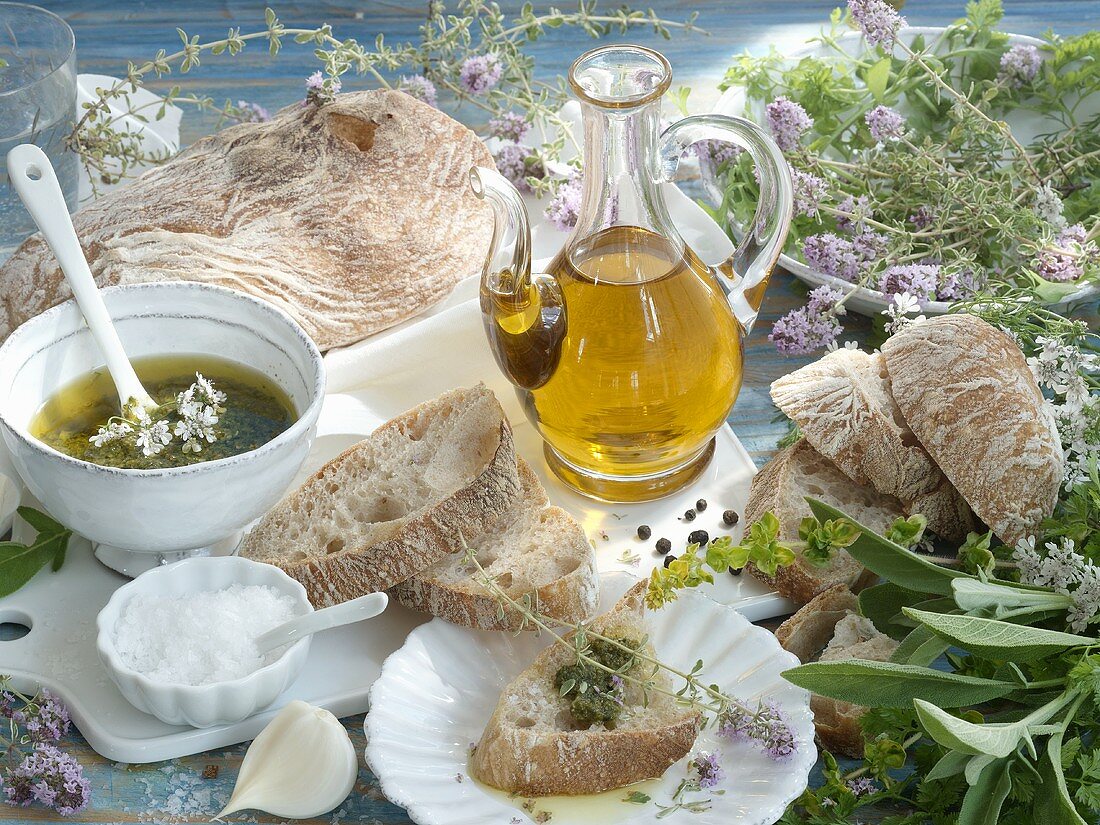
(878, 21)
(767, 728)
(418, 86)
(51, 777)
(480, 73)
(788, 122)
(885, 124)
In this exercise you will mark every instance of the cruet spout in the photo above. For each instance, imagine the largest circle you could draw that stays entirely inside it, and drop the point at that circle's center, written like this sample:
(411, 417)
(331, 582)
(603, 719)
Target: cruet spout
(524, 314)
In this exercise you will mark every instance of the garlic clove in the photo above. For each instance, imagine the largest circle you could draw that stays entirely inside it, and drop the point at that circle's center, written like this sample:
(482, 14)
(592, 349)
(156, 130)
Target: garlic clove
(302, 765)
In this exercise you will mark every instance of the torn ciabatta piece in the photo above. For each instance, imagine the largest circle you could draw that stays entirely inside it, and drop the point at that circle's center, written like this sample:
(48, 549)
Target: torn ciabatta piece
(782, 487)
(533, 548)
(843, 405)
(969, 395)
(830, 629)
(397, 502)
(534, 745)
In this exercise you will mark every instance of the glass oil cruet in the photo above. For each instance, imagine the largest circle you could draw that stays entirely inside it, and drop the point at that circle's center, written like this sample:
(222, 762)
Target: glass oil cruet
(627, 352)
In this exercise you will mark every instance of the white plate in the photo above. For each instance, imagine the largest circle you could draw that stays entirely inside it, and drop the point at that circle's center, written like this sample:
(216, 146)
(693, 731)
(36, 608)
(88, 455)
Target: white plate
(870, 301)
(448, 680)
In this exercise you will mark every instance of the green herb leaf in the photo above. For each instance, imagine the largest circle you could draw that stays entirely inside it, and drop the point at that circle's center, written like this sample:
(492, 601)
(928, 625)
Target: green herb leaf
(41, 522)
(882, 604)
(995, 639)
(892, 562)
(638, 798)
(991, 739)
(886, 684)
(982, 803)
(878, 76)
(1055, 804)
(972, 595)
(951, 764)
(921, 647)
(19, 563)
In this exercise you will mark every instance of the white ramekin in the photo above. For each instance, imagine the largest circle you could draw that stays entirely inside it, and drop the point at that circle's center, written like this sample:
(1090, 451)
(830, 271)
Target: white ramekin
(202, 706)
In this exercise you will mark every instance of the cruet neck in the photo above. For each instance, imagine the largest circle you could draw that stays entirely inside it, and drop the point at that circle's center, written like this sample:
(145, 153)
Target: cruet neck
(620, 88)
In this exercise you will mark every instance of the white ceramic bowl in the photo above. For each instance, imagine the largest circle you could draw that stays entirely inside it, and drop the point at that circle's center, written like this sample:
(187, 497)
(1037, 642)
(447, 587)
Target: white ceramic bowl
(865, 301)
(175, 509)
(202, 706)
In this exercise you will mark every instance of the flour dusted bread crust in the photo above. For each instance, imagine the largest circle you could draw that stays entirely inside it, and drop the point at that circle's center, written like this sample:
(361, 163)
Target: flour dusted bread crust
(530, 748)
(533, 548)
(351, 216)
(830, 629)
(969, 396)
(782, 486)
(843, 405)
(395, 503)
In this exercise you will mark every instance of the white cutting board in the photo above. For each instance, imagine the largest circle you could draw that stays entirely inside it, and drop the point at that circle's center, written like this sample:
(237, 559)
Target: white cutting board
(380, 380)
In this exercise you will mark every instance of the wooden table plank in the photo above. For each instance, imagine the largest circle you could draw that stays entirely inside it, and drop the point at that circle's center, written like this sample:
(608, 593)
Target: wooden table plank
(110, 32)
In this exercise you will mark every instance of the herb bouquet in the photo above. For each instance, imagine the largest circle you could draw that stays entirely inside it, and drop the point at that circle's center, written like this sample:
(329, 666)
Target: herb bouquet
(909, 178)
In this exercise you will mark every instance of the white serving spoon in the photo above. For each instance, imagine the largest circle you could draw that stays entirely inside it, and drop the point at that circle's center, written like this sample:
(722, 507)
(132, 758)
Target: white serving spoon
(33, 177)
(365, 607)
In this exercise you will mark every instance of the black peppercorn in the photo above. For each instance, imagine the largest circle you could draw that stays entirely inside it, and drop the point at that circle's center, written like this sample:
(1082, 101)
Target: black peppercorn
(736, 571)
(699, 537)
(663, 546)
(730, 517)
(669, 560)
(644, 532)
(701, 505)
(689, 515)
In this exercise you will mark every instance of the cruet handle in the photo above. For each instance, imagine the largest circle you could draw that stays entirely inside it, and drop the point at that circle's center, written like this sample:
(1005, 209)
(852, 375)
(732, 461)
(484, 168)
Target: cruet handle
(751, 263)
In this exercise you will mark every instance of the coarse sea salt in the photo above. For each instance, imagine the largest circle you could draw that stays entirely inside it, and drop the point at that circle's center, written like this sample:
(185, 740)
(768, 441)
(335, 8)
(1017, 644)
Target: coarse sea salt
(201, 638)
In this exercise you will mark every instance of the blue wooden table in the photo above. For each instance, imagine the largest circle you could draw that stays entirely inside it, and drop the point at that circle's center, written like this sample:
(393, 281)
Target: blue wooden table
(111, 32)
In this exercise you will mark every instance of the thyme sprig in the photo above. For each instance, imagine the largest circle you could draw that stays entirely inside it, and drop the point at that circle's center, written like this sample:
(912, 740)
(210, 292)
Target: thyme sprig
(111, 152)
(715, 705)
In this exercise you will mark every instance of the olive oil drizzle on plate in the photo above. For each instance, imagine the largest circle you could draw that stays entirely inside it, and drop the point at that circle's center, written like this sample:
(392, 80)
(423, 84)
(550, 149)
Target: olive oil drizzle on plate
(256, 411)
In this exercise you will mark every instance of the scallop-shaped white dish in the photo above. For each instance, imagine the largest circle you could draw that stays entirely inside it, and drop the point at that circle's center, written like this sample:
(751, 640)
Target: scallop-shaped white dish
(437, 692)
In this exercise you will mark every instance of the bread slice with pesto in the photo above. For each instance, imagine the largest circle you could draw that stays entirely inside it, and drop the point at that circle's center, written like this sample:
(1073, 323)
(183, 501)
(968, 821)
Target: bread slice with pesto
(548, 737)
(395, 503)
(532, 549)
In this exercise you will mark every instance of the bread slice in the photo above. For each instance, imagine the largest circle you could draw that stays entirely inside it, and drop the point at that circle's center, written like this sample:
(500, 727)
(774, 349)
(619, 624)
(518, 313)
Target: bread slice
(532, 548)
(782, 487)
(531, 747)
(844, 407)
(395, 503)
(830, 629)
(970, 397)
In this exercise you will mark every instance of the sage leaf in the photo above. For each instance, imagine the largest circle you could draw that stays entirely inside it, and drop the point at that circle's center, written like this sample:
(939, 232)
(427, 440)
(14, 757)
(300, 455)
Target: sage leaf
(19, 563)
(991, 739)
(921, 647)
(1055, 804)
(972, 595)
(882, 604)
(891, 561)
(995, 639)
(982, 803)
(950, 764)
(41, 522)
(890, 685)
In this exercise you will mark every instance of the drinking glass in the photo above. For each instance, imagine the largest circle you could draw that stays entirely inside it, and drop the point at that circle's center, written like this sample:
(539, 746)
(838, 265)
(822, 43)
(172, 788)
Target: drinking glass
(37, 105)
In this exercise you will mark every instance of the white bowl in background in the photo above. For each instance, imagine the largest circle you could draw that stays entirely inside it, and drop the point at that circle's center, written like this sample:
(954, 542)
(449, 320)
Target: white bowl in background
(175, 509)
(867, 301)
(221, 703)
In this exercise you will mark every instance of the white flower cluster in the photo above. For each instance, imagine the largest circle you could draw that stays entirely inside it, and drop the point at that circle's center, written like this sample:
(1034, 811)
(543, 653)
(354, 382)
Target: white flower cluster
(1065, 571)
(1048, 206)
(902, 305)
(1061, 369)
(197, 408)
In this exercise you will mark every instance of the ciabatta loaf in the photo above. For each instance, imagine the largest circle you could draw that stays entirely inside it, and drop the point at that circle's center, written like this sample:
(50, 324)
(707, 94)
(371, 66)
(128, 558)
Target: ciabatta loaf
(531, 747)
(533, 548)
(843, 405)
(782, 486)
(397, 502)
(829, 629)
(967, 392)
